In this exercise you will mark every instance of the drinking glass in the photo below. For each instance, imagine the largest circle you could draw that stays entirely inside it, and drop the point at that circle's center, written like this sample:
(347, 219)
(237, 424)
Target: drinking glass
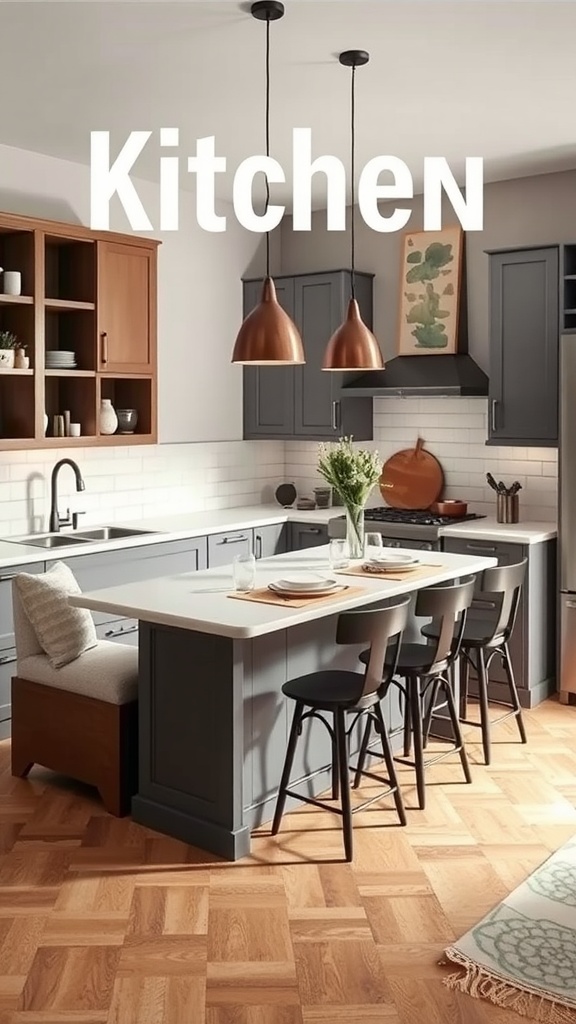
(244, 572)
(338, 554)
(372, 544)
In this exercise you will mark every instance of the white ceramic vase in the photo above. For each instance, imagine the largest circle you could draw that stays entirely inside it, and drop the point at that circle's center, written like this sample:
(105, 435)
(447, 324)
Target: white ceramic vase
(6, 358)
(108, 417)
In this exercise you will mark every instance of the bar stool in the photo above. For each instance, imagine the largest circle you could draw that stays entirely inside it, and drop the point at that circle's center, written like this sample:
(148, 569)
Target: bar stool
(426, 670)
(340, 693)
(486, 635)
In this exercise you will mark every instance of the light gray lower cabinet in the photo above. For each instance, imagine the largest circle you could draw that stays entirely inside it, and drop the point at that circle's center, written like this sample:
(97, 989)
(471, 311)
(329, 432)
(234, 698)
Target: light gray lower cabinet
(7, 645)
(224, 547)
(270, 540)
(307, 535)
(533, 641)
(130, 565)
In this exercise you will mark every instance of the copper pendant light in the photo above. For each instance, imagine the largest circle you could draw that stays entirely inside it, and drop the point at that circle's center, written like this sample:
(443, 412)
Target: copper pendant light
(353, 346)
(268, 336)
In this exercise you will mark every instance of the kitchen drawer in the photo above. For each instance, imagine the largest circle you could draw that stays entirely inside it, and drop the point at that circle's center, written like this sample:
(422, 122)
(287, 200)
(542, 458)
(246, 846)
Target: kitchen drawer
(307, 535)
(224, 547)
(131, 565)
(122, 631)
(6, 618)
(7, 670)
(507, 554)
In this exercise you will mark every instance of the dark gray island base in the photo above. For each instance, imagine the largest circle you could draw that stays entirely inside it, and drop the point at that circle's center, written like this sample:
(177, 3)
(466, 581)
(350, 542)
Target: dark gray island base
(214, 729)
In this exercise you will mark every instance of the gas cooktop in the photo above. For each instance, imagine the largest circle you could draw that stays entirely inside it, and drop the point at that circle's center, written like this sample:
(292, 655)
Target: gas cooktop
(414, 517)
(412, 527)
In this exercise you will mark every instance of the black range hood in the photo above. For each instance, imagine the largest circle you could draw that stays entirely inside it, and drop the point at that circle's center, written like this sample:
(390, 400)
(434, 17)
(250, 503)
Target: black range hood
(423, 376)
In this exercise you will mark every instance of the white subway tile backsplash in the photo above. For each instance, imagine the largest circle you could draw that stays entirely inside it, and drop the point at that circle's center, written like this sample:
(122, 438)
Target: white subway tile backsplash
(454, 430)
(129, 483)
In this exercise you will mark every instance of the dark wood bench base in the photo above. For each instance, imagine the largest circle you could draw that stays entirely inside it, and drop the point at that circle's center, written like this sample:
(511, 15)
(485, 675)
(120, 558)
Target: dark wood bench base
(78, 736)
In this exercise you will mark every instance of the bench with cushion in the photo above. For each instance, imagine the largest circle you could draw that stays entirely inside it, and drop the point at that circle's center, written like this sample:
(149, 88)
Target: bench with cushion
(74, 697)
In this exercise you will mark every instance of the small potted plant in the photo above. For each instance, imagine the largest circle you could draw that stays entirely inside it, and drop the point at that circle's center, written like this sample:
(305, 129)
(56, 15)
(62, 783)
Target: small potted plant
(8, 344)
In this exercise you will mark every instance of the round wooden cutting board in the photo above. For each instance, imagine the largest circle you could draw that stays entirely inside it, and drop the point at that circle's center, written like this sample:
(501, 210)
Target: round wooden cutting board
(412, 478)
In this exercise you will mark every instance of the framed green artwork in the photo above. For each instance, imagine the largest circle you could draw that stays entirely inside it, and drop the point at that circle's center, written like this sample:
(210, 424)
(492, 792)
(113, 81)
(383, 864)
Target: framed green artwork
(430, 292)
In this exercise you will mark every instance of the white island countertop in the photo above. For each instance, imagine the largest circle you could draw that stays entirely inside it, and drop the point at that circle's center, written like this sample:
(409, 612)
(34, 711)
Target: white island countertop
(199, 601)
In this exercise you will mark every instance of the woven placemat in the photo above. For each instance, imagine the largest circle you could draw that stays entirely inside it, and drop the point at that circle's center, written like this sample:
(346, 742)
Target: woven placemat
(422, 572)
(265, 596)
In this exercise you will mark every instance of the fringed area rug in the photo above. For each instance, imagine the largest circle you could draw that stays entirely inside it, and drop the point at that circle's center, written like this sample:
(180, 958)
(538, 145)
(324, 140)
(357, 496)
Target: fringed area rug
(522, 955)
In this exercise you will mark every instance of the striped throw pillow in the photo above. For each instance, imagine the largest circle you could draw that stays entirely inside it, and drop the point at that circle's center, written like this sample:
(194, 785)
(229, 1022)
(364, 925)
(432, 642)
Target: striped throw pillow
(63, 632)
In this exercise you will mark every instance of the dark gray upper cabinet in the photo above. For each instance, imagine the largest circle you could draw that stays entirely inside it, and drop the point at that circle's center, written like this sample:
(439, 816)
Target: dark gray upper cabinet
(306, 401)
(269, 390)
(524, 333)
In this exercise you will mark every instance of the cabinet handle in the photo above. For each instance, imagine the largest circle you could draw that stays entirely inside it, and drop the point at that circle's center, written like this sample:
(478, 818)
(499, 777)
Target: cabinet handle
(493, 411)
(570, 604)
(7, 576)
(232, 540)
(123, 631)
(480, 547)
(104, 340)
(8, 659)
(310, 529)
(258, 539)
(335, 415)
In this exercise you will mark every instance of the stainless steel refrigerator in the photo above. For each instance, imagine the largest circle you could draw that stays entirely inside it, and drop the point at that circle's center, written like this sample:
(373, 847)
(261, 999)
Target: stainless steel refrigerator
(567, 513)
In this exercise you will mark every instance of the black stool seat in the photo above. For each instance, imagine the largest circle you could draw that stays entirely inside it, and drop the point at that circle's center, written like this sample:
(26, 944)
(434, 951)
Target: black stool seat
(327, 690)
(477, 633)
(413, 658)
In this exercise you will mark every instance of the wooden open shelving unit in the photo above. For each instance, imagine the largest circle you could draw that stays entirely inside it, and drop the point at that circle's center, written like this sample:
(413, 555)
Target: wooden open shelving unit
(92, 293)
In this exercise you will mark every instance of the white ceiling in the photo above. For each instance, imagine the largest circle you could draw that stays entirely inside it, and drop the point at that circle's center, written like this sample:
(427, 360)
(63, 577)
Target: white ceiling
(462, 78)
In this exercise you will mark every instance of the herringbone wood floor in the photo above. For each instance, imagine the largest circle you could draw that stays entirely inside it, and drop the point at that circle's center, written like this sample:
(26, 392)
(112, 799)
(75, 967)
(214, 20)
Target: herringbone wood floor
(104, 922)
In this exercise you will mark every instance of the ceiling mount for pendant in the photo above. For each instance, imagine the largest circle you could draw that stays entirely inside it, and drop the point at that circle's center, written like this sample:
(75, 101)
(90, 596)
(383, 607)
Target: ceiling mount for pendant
(353, 58)
(267, 10)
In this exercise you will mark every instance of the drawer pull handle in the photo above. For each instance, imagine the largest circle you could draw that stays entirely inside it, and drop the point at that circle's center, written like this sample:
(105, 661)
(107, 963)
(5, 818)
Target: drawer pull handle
(480, 547)
(104, 339)
(122, 631)
(310, 529)
(232, 540)
(258, 546)
(8, 660)
(7, 576)
(570, 604)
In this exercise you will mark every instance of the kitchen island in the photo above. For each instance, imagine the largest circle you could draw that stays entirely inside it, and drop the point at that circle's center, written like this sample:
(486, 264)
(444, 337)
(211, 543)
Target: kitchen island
(213, 721)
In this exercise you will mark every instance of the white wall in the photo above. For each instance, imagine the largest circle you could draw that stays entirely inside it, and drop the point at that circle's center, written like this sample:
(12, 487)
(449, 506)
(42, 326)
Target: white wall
(199, 291)
(454, 430)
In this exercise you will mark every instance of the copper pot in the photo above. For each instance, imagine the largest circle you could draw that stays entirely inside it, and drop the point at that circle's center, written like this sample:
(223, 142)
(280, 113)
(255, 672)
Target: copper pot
(449, 507)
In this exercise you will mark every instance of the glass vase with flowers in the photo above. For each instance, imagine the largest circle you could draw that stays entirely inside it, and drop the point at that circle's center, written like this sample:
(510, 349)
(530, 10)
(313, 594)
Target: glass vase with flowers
(352, 472)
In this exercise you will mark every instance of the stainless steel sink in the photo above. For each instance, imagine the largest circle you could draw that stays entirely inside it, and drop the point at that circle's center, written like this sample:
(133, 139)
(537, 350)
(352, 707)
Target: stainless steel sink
(53, 540)
(110, 533)
(63, 540)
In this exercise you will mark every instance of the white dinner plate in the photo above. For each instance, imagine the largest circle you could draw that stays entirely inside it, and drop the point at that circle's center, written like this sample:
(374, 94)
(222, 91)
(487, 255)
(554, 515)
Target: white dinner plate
(316, 592)
(306, 581)
(389, 560)
(381, 569)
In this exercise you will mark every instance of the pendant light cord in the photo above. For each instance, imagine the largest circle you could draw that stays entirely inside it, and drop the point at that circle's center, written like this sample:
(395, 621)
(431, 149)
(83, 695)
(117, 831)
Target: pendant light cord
(353, 171)
(267, 138)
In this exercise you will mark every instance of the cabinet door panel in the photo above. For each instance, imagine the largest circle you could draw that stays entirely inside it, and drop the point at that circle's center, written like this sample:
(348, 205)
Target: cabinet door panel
(126, 308)
(270, 540)
(524, 347)
(304, 536)
(269, 390)
(318, 305)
